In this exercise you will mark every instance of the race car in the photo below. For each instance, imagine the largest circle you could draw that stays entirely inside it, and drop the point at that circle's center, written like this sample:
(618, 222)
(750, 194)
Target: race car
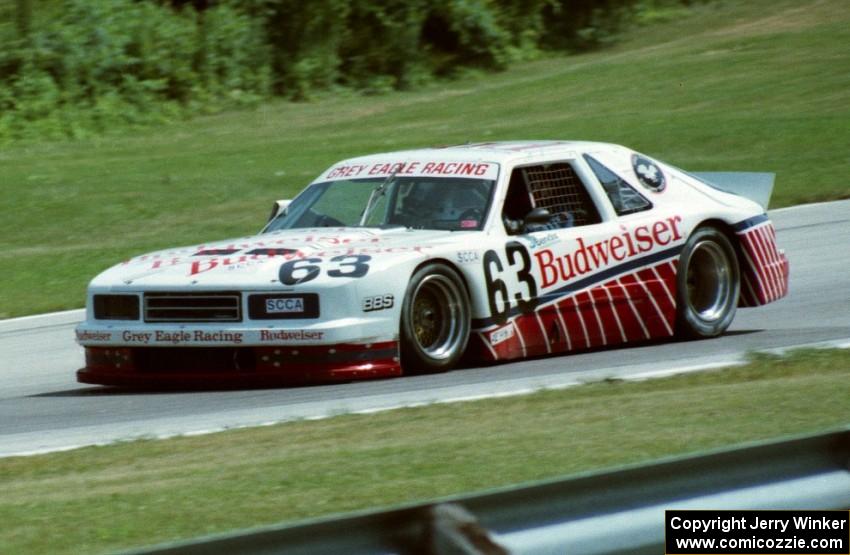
(409, 262)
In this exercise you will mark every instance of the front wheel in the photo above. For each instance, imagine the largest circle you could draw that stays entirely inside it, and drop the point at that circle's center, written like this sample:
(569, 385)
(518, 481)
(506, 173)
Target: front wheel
(435, 320)
(708, 284)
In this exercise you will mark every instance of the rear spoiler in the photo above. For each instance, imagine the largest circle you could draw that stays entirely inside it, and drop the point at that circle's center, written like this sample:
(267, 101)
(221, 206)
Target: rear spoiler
(752, 185)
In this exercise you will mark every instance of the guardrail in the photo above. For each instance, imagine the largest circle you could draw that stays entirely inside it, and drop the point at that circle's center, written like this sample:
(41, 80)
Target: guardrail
(620, 511)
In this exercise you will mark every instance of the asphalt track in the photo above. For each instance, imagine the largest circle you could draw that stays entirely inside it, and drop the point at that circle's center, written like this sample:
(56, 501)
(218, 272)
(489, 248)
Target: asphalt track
(43, 408)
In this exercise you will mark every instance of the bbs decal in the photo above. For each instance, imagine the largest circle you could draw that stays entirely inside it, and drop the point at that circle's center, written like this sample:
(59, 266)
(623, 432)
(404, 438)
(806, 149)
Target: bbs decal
(303, 270)
(378, 302)
(517, 263)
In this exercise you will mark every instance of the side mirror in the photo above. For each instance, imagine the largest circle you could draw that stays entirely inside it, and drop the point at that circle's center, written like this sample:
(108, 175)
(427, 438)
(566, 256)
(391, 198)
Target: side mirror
(537, 215)
(279, 207)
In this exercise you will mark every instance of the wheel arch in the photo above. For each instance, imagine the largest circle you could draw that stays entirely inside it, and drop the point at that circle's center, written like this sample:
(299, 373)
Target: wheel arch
(419, 365)
(717, 223)
(448, 263)
(691, 323)
(729, 231)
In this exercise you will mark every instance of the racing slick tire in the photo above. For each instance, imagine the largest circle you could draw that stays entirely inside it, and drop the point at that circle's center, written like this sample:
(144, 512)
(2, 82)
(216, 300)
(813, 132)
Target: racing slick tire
(708, 284)
(435, 320)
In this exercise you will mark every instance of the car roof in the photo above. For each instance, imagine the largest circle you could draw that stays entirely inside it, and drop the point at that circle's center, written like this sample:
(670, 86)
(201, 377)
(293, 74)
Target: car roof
(498, 151)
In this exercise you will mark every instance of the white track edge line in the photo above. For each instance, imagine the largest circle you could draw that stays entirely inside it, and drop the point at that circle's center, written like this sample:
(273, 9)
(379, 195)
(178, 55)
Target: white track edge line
(45, 315)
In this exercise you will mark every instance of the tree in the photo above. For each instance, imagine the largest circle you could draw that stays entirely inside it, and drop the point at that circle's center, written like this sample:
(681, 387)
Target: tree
(24, 18)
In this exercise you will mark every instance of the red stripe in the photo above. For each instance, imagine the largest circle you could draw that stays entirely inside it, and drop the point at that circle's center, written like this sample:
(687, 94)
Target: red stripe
(522, 341)
(764, 271)
(625, 314)
(555, 333)
(507, 349)
(768, 269)
(613, 304)
(649, 314)
(481, 345)
(764, 250)
(588, 314)
(782, 262)
(547, 341)
(607, 316)
(531, 334)
(585, 329)
(757, 270)
(753, 269)
(663, 302)
(667, 275)
(575, 325)
(785, 275)
(782, 267)
(563, 325)
(772, 231)
(773, 257)
(748, 296)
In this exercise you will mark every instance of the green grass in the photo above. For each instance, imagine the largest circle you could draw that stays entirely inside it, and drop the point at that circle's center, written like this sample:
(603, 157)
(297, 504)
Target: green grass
(115, 497)
(764, 85)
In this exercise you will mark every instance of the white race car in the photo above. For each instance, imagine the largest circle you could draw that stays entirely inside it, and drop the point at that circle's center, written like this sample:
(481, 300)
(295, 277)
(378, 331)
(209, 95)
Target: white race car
(408, 261)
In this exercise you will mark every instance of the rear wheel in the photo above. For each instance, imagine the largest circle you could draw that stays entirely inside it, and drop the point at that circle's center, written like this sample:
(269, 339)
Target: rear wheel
(708, 284)
(435, 320)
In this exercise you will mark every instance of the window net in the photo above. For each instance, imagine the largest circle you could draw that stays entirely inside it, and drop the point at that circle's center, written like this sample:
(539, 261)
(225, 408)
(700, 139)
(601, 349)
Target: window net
(557, 188)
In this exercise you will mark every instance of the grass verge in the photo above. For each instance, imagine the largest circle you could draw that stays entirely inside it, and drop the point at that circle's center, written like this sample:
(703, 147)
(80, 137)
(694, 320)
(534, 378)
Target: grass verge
(114, 497)
(761, 85)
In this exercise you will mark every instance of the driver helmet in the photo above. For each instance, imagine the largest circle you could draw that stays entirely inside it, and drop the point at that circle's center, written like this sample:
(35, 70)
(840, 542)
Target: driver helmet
(459, 199)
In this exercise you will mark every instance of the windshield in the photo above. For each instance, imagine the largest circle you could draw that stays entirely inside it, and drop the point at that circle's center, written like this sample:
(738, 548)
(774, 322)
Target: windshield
(415, 202)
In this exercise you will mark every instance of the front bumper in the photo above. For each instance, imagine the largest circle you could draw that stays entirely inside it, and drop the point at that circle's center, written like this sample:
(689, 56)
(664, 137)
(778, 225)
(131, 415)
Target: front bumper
(141, 354)
(225, 367)
(103, 333)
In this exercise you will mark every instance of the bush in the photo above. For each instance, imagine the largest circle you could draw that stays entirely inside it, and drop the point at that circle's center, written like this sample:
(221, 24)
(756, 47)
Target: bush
(102, 64)
(583, 24)
(462, 33)
(90, 65)
(233, 56)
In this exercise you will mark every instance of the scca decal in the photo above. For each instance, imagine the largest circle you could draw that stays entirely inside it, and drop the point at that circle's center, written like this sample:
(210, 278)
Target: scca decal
(303, 270)
(468, 257)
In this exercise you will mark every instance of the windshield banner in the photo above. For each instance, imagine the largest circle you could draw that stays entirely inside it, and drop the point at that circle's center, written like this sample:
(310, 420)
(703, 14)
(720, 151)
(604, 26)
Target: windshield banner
(420, 168)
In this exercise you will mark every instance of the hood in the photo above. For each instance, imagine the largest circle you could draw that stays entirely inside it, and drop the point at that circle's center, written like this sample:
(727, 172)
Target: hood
(255, 261)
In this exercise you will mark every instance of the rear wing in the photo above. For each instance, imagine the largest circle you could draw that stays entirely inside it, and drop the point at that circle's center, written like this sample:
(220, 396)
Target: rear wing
(752, 185)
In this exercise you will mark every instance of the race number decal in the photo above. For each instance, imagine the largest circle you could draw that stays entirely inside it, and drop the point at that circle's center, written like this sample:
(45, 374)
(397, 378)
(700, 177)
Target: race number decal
(497, 291)
(299, 271)
(351, 265)
(302, 270)
(518, 264)
(514, 250)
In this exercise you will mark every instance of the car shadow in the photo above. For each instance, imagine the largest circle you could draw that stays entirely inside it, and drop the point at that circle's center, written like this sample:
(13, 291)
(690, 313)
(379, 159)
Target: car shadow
(116, 391)
(465, 364)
